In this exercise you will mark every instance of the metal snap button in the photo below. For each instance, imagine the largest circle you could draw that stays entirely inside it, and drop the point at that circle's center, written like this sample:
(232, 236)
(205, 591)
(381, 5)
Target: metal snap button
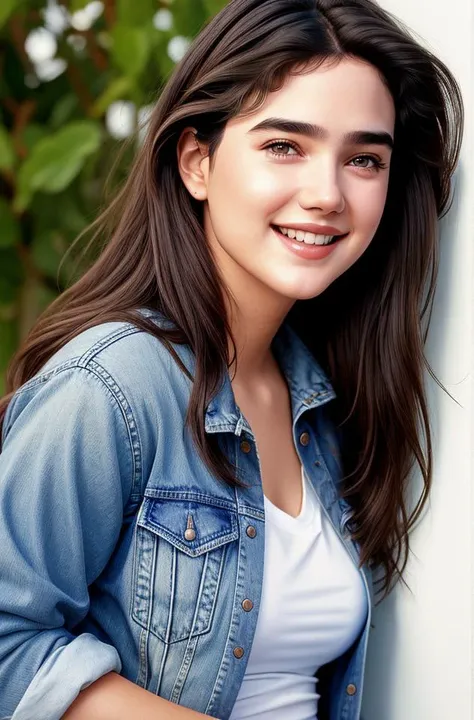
(247, 605)
(251, 531)
(238, 652)
(245, 446)
(351, 689)
(190, 533)
(304, 438)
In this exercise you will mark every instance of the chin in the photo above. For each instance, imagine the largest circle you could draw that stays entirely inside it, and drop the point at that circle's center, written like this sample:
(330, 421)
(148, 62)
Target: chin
(304, 292)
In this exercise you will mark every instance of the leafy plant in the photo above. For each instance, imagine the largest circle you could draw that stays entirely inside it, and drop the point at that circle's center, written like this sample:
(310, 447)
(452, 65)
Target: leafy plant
(57, 141)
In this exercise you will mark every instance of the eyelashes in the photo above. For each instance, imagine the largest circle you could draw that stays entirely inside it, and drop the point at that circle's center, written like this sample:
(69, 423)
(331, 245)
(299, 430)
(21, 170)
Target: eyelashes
(281, 143)
(377, 164)
(287, 144)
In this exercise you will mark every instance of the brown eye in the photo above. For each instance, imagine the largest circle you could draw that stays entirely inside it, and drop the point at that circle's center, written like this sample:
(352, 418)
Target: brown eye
(376, 163)
(282, 148)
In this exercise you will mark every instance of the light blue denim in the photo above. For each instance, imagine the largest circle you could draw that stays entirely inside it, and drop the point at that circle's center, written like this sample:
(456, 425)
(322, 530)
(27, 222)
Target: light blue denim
(120, 551)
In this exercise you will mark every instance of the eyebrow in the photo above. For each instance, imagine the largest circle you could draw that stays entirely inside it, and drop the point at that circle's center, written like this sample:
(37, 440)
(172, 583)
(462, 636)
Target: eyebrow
(356, 137)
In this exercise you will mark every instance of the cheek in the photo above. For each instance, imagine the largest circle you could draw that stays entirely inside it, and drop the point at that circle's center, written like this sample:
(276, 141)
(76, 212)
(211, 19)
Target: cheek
(369, 211)
(268, 189)
(371, 206)
(247, 188)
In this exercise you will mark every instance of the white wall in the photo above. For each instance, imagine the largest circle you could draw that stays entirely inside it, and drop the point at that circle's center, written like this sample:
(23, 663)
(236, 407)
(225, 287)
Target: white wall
(420, 664)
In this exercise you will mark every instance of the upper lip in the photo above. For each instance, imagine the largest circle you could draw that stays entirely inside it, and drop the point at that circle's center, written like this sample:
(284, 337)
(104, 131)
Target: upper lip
(313, 228)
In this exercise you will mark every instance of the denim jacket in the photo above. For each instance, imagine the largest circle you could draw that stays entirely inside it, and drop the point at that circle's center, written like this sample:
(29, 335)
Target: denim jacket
(120, 551)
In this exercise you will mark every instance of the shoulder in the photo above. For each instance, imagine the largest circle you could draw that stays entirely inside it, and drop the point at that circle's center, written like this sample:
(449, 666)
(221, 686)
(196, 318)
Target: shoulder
(131, 369)
(117, 382)
(118, 345)
(124, 357)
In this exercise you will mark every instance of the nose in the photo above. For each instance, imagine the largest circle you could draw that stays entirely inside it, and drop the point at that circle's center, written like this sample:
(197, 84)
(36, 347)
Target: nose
(321, 187)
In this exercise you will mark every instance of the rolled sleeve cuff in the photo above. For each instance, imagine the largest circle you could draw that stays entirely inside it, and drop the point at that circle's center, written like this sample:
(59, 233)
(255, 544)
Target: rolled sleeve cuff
(68, 670)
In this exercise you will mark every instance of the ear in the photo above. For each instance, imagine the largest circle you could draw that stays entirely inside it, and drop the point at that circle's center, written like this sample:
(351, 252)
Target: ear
(193, 164)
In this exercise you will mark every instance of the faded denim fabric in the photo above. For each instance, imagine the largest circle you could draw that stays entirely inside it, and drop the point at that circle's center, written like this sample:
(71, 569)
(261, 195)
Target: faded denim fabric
(121, 551)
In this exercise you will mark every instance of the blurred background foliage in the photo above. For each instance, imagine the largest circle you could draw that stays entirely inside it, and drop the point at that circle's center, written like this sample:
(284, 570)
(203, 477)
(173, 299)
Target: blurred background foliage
(77, 78)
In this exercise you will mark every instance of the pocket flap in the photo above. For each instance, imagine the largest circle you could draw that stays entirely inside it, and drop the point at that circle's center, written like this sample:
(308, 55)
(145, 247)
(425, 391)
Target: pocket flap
(206, 526)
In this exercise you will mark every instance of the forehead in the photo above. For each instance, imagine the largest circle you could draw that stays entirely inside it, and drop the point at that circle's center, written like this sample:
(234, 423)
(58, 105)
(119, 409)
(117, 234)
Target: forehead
(341, 97)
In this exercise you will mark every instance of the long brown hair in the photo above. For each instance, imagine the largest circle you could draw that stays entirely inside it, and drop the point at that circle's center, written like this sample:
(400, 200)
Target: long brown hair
(366, 329)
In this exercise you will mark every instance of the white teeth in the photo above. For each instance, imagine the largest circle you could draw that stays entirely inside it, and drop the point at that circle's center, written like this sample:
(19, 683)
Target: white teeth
(306, 237)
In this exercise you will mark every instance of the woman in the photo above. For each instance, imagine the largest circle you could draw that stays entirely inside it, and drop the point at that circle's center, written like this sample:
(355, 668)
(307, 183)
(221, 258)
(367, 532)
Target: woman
(237, 379)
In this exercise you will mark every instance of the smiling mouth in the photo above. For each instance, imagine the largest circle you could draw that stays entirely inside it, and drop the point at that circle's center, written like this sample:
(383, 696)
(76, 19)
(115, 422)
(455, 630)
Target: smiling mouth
(307, 238)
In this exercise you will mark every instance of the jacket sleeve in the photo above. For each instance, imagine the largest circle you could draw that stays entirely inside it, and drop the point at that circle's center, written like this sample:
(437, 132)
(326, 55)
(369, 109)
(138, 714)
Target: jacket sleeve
(66, 472)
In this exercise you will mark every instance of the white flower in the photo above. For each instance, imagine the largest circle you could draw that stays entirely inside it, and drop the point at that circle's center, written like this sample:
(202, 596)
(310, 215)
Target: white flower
(177, 47)
(120, 119)
(40, 45)
(85, 18)
(163, 20)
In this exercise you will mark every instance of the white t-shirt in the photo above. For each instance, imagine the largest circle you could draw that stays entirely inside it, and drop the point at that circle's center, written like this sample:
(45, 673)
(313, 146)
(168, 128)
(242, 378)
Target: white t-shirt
(313, 607)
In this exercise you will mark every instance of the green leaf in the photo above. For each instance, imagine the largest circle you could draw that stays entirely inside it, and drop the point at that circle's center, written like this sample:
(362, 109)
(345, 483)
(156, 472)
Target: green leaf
(9, 229)
(63, 110)
(135, 12)
(7, 8)
(189, 16)
(32, 134)
(212, 7)
(56, 160)
(131, 49)
(7, 154)
(118, 89)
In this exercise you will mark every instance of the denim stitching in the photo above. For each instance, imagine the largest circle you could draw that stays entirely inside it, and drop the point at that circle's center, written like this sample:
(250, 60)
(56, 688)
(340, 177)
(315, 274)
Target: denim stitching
(104, 342)
(132, 427)
(185, 495)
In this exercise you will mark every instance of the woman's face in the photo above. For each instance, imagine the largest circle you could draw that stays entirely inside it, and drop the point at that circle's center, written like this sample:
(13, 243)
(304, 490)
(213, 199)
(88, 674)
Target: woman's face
(291, 167)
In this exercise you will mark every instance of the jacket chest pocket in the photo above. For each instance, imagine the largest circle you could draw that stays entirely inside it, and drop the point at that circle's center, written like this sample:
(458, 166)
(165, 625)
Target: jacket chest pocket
(179, 558)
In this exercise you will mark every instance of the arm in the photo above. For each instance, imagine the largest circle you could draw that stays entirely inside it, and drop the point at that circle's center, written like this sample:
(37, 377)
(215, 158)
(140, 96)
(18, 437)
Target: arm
(66, 473)
(115, 698)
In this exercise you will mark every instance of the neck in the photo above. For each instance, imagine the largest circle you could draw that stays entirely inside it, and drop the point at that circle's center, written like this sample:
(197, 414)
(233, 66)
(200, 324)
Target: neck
(255, 318)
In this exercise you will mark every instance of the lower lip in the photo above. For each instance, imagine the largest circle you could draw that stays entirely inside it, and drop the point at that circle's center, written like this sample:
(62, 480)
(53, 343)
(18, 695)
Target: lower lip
(308, 252)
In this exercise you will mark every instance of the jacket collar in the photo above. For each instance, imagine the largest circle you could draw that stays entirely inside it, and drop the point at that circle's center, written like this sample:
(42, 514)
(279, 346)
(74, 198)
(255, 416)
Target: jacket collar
(308, 385)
